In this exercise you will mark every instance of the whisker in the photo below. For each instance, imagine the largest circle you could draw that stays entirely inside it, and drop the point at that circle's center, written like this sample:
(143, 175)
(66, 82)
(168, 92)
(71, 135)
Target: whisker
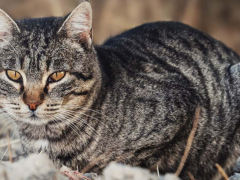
(7, 147)
(3, 119)
(72, 123)
(85, 123)
(16, 104)
(89, 117)
(12, 142)
(8, 123)
(59, 117)
(78, 107)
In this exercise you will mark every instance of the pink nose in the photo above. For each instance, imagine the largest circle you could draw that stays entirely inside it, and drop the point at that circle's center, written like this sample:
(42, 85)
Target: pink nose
(33, 106)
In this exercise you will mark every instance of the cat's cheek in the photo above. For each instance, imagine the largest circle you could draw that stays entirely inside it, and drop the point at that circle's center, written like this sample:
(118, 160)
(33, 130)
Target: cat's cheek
(72, 99)
(52, 86)
(67, 99)
(17, 86)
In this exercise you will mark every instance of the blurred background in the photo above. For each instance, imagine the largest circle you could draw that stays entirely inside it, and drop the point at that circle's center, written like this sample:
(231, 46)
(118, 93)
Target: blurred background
(219, 18)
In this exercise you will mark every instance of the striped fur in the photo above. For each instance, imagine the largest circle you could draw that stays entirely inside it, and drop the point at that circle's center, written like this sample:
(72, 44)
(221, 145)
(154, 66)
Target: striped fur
(130, 100)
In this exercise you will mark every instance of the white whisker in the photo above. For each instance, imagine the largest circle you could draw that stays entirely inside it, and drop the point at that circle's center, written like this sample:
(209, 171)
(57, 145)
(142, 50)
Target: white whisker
(81, 113)
(60, 117)
(79, 107)
(82, 121)
(7, 147)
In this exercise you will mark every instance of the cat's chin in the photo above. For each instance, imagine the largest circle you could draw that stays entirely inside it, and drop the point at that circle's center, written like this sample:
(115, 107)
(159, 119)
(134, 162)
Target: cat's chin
(35, 120)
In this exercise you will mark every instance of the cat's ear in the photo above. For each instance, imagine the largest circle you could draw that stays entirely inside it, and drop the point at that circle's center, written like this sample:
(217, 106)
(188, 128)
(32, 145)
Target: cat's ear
(78, 24)
(7, 27)
(235, 72)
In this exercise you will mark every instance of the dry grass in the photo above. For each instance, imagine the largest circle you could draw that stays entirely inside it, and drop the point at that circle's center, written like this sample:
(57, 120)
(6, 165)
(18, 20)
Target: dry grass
(221, 171)
(189, 142)
(9, 147)
(190, 176)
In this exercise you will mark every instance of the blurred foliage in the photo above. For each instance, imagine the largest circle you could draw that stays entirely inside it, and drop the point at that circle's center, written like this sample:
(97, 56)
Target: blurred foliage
(219, 18)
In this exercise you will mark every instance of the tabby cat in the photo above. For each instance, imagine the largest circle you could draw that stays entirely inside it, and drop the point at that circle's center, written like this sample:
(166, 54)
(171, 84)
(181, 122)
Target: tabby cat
(130, 100)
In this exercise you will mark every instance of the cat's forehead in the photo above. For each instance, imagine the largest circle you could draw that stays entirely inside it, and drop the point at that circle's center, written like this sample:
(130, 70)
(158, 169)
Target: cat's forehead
(46, 25)
(37, 33)
(38, 48)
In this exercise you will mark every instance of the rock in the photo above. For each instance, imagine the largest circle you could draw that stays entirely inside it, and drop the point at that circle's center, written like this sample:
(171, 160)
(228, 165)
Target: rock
(116, 171)
(237, 166)
(236, 176)
(169, 177)
(34, 167)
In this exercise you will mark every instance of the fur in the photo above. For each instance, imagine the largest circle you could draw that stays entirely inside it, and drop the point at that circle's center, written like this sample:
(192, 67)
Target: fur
(130, 100)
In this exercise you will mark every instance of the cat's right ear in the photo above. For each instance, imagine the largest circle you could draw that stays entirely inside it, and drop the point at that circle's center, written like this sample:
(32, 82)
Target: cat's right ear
(7, 27)
(78, 25)
(235, 72)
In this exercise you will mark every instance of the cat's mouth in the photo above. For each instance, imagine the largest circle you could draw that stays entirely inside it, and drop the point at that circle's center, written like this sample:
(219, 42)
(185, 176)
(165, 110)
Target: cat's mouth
(33, 116)
(34, 119)
(38, 120)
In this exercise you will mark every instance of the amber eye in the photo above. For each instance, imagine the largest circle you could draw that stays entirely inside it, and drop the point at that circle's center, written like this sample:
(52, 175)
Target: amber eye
(57, 76)
(14, 75)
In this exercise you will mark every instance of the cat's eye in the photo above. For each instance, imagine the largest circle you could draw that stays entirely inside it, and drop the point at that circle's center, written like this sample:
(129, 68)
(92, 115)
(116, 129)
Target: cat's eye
(57, 76)
(14, 75)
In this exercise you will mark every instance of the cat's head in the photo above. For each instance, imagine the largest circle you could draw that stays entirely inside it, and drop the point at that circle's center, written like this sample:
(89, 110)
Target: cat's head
(48, 66)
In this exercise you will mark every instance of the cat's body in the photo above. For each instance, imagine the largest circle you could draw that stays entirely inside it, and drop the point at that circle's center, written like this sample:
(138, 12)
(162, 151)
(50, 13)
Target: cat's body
(130, 100)
(165, 70)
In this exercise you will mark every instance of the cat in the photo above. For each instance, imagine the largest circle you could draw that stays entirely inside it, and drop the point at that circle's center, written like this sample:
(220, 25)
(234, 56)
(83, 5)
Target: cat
(131, 99)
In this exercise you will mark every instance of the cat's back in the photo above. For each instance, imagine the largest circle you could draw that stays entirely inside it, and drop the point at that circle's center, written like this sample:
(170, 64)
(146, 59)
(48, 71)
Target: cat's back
(158, 73)
(169, 51)
(172, 42)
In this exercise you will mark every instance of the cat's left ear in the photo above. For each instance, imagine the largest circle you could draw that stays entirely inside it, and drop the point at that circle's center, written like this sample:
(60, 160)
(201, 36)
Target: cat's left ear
(78, 24)
(235, 72)
(7, 27)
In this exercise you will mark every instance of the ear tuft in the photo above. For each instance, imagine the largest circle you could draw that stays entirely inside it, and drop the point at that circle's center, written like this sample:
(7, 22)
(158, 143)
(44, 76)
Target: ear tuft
(7, 26)
(235, 70)
(78, 24)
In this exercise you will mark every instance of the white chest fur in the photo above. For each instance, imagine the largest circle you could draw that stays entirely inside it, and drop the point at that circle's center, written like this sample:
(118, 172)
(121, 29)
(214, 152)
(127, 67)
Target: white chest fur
(41, 145)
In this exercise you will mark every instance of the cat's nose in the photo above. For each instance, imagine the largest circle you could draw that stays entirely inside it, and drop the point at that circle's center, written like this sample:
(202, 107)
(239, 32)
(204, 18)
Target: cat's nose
(33, 98)
(33, 106)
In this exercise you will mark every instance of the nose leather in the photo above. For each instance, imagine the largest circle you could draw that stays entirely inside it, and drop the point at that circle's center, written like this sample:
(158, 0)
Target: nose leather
(33, 106)
(33, 98)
